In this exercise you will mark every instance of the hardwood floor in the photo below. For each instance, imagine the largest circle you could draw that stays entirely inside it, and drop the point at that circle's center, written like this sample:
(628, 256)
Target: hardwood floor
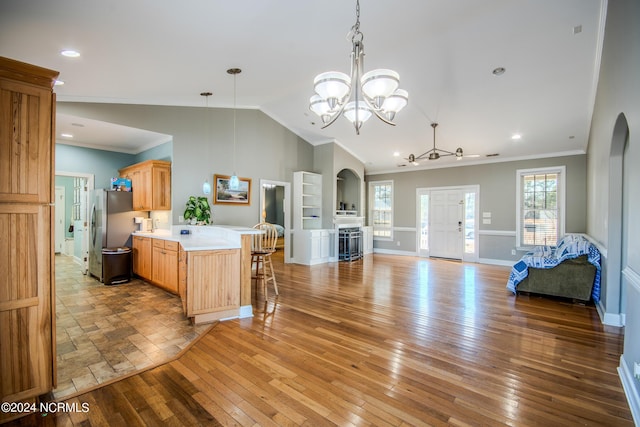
(385, 341)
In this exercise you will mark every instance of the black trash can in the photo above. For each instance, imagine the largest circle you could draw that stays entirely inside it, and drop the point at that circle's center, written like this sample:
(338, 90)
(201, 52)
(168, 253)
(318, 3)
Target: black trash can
(116, 265)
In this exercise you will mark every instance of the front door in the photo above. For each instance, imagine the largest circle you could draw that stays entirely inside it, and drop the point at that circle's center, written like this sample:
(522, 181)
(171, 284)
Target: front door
(446, 213)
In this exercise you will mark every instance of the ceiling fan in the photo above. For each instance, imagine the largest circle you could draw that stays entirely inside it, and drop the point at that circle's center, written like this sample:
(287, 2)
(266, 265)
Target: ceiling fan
(434, 153)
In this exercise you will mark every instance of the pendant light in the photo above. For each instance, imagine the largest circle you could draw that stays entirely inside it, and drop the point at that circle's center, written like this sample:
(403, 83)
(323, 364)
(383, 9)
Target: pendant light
(206, 187)
(360, 95)
(234, 182)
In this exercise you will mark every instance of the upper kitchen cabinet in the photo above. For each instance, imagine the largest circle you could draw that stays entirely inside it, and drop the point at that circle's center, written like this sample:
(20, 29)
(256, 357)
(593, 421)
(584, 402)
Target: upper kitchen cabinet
(150, 184)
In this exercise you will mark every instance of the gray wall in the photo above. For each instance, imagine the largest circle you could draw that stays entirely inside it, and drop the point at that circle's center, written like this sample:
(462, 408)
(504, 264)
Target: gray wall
(497, 182)
(203, 146)
(618, 92)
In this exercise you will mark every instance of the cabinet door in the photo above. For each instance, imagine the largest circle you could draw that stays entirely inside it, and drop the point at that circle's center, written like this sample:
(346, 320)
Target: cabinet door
(25, 301)
(142, 257)
(213, 279)
(164, 268)
(140, 187)
(25, 143)
(157, 264)
(161, 188)
(171, 266)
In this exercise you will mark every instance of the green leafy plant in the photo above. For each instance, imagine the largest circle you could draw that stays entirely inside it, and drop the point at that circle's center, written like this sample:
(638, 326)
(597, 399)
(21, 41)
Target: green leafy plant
(198, 208)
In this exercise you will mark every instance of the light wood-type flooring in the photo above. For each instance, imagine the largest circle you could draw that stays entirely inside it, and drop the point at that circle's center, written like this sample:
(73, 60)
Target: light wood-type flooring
(385, 341)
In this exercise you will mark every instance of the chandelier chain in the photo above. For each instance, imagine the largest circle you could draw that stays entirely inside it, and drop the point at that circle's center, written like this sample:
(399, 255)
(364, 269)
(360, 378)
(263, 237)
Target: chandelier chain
(356, 34)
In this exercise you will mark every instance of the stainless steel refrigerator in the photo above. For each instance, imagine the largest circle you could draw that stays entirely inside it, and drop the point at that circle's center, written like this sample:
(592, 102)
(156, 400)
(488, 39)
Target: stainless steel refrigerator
(111, 225)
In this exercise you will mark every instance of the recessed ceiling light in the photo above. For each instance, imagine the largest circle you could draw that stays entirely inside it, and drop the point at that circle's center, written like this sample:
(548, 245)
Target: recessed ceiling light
(396, 154)
(499, 71)
(58, 83)
(69, 53)
(66, 135)
(516, 136)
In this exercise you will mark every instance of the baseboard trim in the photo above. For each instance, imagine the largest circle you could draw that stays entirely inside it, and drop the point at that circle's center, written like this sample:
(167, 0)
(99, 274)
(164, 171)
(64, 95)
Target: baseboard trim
(245, 311)
(393, 252)
(502, 262)
(630, 390)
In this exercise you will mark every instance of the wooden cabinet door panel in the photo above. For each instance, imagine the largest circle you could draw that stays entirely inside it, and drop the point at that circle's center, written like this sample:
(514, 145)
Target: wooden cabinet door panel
(25, 143)
(161, 188)
(212, 280)
(26, 336)
(142, 257)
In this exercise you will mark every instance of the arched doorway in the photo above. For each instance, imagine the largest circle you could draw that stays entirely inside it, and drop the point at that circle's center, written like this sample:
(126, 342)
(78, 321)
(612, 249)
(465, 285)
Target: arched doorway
(617, 220)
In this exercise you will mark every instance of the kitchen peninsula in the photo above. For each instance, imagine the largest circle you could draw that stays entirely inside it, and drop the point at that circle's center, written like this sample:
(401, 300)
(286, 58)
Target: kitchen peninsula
(209, 268)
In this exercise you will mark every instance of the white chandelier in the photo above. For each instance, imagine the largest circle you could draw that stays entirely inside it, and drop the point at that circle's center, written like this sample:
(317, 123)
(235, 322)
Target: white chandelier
(359, 95)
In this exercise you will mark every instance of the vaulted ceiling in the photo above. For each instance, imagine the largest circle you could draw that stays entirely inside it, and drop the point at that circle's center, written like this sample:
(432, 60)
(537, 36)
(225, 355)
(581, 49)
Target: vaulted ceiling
(166, 52)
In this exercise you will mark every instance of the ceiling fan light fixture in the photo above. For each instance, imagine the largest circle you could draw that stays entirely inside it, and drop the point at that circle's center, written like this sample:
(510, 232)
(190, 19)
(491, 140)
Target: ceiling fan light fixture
(435, 153)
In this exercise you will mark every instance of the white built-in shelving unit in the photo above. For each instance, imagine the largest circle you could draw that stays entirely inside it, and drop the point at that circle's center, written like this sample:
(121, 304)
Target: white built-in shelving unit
(307, 200)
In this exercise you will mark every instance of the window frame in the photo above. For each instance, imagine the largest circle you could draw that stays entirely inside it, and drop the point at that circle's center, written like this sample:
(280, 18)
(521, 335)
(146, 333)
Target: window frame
(561, 201)
(372, 185)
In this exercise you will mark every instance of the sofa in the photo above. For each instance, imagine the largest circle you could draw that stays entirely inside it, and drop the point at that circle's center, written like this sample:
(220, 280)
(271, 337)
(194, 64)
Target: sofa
(571, 269)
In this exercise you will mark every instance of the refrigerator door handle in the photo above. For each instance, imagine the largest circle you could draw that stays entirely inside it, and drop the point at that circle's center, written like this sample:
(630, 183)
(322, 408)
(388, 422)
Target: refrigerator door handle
(94, 230)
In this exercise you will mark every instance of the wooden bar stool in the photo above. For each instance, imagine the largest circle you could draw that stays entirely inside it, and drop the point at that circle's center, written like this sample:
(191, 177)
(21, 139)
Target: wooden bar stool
(262, 246)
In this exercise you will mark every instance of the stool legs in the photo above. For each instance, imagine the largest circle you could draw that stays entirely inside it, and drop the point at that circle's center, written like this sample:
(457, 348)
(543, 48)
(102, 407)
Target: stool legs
(261, 273)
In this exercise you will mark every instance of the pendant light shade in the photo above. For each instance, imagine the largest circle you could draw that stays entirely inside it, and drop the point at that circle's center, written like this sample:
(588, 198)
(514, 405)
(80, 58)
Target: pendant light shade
(206, 187)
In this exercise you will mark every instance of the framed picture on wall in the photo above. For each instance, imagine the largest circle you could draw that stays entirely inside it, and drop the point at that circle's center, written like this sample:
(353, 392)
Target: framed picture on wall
(222, 194)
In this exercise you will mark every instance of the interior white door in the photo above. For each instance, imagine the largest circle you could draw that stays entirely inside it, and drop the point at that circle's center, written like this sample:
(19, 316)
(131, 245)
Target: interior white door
(446, 209)
(59, 220)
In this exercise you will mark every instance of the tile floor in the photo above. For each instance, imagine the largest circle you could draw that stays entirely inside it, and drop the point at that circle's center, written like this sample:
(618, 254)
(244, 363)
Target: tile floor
(104, 332)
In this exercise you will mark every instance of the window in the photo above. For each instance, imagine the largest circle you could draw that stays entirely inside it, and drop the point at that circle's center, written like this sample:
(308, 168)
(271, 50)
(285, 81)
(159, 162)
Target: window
(381, 209)
(540, 218)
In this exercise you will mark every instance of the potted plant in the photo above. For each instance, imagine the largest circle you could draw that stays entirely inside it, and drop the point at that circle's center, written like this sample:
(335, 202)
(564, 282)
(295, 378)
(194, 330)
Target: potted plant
(198, 210)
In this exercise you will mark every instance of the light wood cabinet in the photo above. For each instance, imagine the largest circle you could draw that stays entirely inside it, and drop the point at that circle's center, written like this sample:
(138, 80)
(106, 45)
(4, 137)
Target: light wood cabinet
(27, 336)
(182, 278)
(213, 284)
(150, 184)
(164, 265)
(142, 256)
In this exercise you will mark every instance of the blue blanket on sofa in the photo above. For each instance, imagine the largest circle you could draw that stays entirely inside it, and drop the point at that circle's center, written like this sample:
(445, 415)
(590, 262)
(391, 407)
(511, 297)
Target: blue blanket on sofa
(569, 247)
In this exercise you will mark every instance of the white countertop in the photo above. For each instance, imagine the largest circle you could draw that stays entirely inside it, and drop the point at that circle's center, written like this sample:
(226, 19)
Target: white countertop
(203, 238)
